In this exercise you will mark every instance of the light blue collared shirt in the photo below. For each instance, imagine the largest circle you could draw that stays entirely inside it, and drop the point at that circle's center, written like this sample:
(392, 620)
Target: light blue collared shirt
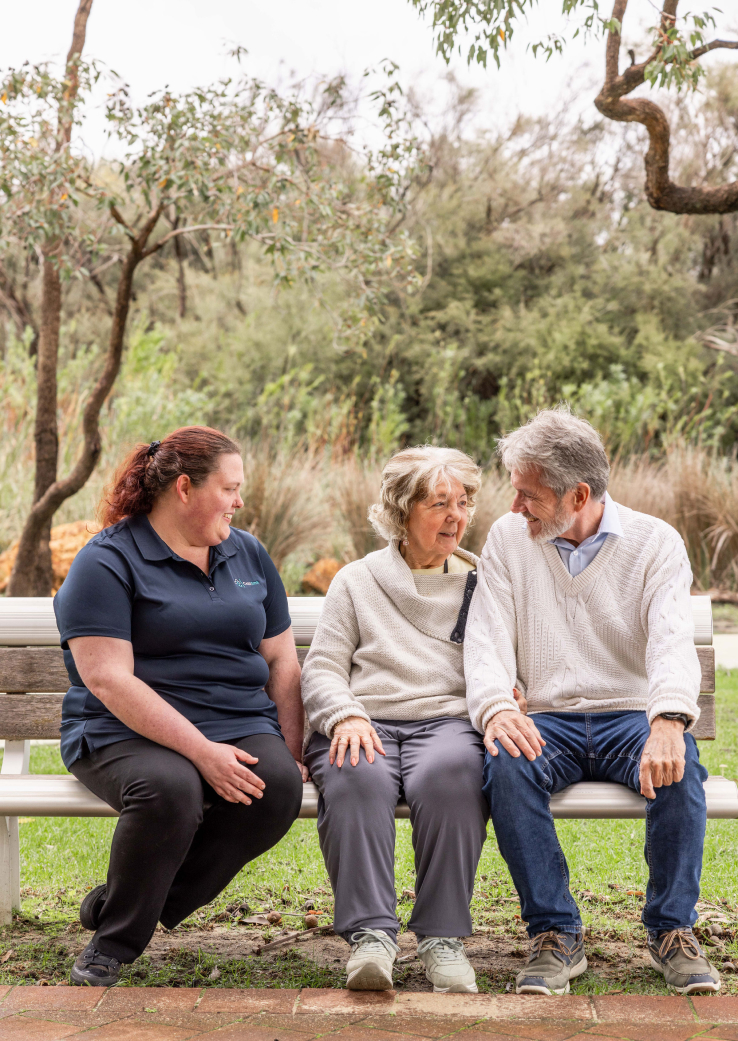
(577, 558)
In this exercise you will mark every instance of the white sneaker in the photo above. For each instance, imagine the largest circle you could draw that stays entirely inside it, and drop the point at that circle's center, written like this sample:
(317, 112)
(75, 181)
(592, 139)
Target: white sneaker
(447, 966)
(373, 954)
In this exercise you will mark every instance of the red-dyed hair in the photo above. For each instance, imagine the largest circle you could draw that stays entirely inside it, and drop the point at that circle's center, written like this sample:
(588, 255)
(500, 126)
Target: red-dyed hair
(145, 474)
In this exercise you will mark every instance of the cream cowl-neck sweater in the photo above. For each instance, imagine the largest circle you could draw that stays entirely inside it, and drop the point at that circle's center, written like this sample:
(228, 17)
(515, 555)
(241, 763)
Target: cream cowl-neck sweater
(619, 636)
(382, 648)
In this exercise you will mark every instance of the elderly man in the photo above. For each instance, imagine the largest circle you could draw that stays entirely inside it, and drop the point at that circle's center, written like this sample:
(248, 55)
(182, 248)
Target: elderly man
(584, 606)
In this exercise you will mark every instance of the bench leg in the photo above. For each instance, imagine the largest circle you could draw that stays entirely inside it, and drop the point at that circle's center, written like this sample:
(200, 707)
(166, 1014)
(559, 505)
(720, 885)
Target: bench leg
(6, 898)
(15, 761)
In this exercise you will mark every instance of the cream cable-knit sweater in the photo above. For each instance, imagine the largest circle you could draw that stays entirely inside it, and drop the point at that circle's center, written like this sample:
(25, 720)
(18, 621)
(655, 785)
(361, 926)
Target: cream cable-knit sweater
(619, 636)
(382, 648)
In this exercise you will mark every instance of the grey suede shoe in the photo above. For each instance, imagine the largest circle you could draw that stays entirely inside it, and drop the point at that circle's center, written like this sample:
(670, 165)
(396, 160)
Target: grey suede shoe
(554, 959)
(678, 957)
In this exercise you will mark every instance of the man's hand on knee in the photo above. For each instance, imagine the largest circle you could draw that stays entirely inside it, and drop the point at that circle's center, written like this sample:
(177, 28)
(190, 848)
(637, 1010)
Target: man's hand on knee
(662, 761)
(516, 733)
(354, 733)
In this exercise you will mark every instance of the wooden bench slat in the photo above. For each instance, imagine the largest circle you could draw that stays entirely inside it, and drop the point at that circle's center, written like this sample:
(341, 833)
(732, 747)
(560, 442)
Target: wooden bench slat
(706, 657)
(34, 717)
(37, 669)
(40, 670)
(704, 728)
(37, 717)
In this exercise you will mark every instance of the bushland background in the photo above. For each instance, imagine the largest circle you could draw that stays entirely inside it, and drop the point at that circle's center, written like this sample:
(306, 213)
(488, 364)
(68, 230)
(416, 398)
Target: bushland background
(544, 276)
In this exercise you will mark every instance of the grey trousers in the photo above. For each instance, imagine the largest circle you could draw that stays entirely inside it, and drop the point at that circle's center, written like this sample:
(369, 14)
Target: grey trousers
(437, 765)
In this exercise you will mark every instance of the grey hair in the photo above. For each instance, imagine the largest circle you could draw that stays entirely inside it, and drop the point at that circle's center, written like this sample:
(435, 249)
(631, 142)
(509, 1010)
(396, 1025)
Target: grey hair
(563, 449)
(413, 474)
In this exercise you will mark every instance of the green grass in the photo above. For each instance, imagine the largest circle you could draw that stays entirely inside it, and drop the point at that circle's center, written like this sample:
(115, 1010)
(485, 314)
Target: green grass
(62, 858)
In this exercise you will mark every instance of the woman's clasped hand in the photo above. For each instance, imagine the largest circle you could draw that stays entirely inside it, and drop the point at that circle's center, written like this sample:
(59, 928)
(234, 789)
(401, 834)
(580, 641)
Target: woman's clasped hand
(222, 767)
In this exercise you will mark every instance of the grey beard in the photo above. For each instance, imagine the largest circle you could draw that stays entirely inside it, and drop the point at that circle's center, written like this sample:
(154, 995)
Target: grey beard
(561, 521)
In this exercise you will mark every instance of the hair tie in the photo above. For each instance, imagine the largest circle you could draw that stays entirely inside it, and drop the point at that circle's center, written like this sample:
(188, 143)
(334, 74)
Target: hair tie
(153, 448)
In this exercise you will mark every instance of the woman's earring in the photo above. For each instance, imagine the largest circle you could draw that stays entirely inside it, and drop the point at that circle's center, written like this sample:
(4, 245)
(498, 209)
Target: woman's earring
(406, 542)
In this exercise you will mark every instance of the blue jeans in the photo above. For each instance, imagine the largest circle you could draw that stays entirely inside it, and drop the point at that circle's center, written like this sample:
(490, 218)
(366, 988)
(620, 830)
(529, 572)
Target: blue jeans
(595, 747)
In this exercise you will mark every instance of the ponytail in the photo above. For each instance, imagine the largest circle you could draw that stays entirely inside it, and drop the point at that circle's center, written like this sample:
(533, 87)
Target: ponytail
(150, 469)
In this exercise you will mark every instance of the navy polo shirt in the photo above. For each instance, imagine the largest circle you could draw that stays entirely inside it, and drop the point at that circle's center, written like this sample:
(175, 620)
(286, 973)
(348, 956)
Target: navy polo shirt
(195, 637)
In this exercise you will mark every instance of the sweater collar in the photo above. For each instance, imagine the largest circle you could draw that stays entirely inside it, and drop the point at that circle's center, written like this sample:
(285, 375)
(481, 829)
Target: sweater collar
(576, 584)
(434, 616)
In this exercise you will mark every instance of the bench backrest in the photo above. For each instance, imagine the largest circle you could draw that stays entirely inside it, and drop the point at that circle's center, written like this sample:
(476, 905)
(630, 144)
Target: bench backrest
(33, 675)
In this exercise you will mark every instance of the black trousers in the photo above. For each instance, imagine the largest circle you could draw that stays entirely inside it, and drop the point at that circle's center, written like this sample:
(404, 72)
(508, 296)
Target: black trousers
(177, 844)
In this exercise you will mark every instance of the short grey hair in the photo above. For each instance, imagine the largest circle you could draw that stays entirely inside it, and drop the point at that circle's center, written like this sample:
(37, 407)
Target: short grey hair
(413, 474)
(563, 449)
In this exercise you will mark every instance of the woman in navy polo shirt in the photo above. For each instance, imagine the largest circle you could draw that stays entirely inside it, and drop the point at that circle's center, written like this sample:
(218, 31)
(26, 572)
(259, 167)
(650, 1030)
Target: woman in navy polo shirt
(184, 709)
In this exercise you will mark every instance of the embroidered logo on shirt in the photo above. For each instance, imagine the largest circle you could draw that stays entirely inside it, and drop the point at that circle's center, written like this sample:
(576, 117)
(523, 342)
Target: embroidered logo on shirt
(242, 585)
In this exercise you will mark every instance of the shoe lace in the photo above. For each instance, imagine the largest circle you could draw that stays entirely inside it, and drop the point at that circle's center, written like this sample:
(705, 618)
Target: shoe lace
(670, 942)
(550, 941)
(92, 956)
(445, 948)
(373, 941)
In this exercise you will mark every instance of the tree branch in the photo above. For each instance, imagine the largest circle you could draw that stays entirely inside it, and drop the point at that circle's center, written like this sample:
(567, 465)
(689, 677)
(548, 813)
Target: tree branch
(730, 45)
(185, 231)
(118, 218)
(66, 110)
(661, 191)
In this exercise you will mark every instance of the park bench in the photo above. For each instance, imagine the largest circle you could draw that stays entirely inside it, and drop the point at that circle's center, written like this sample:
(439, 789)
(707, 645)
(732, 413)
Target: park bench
(32, 674)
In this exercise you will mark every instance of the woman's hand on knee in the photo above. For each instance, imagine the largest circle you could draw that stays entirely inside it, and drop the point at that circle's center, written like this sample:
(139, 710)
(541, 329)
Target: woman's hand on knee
(354, 733)
(222, 767)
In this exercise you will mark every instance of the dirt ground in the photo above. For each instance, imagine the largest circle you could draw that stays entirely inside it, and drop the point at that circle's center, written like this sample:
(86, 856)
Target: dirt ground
(495, 957)
(219, 954)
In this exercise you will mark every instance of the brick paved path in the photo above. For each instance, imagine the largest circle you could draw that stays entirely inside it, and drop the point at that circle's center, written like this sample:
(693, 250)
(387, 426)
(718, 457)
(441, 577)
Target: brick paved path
(162, 1014)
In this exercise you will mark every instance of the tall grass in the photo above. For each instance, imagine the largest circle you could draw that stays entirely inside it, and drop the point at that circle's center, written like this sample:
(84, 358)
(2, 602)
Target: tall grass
(695, 491)
(352, 488)
(285, 505)
(305, 502)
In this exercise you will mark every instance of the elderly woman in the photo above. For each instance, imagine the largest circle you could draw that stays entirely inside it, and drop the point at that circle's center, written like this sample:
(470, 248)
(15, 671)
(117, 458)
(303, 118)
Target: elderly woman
(383, 687)
(184, 709)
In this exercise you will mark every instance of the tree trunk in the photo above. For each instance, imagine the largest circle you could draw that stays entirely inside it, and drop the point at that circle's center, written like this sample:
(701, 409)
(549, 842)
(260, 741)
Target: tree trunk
(38, 523)
(181, 284)
(38, 578)
(32, 573)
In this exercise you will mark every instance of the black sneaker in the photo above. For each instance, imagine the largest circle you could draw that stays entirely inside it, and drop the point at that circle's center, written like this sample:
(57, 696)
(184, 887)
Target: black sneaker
(679, 959)
(89, 909)
(554, 959)
(94, 969)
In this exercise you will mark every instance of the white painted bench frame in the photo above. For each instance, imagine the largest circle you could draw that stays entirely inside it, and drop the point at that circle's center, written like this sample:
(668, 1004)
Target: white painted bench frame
(28, 622)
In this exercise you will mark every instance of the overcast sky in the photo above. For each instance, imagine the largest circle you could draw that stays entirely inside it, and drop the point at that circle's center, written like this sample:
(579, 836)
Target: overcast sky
(182, 43)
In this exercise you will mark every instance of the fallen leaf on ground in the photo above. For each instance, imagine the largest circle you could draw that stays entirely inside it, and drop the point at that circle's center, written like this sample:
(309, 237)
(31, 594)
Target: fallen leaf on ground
(6, 956)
